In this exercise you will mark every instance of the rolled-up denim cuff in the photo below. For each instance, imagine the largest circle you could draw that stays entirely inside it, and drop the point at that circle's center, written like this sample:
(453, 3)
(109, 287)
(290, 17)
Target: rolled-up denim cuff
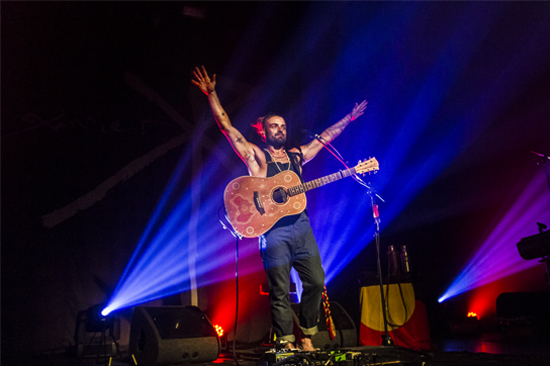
(287, 338)
(310, 331)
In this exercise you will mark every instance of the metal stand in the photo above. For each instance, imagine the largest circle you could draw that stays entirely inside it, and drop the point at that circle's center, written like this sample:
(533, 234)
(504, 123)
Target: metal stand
(386, 339)
(545, 259)
(544, 163)
(87, 344)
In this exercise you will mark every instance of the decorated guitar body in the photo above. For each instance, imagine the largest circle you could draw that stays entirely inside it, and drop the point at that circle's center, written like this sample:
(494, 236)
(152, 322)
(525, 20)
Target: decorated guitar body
(253, 205)
(245, 197)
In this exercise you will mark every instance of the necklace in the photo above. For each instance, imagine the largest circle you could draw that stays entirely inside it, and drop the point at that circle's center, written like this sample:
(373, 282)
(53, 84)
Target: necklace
(277, 163)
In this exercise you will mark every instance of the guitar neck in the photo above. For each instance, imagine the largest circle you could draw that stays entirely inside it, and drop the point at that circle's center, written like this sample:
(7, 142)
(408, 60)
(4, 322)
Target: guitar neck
(303, 188)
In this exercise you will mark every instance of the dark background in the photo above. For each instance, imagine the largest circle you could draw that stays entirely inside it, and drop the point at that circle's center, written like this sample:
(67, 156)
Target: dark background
(71, 120)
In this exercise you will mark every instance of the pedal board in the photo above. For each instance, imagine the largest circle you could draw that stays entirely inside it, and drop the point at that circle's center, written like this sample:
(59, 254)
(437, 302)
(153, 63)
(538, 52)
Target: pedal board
(353, 356)
(329, 358)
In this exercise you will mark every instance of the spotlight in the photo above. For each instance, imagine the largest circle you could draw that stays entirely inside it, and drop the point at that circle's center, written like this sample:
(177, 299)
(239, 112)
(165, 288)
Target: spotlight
(95, 319)
(219, 330)
(535, 246)
(222, 336)
(105, 312)
(89, 323)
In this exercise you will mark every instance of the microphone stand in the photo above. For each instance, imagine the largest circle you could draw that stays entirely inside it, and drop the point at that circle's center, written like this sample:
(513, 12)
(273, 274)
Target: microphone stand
(386, 338)
(543, 163)
(542, 227)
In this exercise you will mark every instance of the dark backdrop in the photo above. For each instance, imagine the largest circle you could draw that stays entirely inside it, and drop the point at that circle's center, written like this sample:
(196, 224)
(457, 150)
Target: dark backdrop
(73, 121)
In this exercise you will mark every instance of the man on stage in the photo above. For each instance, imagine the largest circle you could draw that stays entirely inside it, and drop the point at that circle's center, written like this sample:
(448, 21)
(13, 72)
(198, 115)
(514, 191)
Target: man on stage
(290, 242)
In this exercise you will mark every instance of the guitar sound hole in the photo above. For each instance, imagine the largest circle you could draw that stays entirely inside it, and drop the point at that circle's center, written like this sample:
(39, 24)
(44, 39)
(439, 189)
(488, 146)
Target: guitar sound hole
(279, 195)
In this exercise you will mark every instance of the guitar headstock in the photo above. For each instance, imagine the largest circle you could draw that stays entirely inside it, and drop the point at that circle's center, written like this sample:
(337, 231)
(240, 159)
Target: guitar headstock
(367, 166)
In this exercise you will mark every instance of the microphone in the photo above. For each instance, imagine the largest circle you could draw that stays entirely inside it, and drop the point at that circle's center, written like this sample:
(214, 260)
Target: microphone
(308, 133)
(311, 135)
(393, 261)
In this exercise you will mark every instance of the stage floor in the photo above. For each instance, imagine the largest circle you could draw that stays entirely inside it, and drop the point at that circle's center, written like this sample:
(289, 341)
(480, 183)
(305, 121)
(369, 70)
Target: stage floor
(482, 349)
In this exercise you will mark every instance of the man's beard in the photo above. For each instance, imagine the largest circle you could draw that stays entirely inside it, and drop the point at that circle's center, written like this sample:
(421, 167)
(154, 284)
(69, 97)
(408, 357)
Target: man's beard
(276, 142)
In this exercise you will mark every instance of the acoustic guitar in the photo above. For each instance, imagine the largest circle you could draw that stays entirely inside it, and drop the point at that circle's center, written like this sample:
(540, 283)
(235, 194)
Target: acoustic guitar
(254, 205)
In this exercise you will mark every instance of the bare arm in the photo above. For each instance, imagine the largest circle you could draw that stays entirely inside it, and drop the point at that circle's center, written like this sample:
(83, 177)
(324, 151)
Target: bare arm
(313, 147)
(246, 150)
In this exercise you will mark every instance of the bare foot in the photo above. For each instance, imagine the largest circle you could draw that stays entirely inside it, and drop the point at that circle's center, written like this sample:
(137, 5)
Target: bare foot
(307, 345)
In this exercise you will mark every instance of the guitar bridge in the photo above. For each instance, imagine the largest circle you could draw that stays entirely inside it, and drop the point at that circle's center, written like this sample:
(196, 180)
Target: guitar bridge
(258, 203)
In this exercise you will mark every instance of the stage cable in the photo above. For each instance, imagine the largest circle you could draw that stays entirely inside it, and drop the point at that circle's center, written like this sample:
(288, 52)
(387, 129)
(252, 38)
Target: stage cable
(327, 145)
(237, 237)
(236, 298)
(398, 277)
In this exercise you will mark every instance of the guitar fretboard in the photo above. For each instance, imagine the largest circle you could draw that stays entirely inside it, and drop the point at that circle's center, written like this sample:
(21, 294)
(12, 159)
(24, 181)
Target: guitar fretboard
(303, 188)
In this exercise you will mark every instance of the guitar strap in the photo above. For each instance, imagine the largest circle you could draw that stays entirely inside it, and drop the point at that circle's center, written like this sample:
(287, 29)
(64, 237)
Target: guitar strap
(295, 162)
(328, 316)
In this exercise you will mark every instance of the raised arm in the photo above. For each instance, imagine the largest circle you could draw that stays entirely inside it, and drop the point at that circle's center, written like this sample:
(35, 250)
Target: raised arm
(313, 147)
(243, 148)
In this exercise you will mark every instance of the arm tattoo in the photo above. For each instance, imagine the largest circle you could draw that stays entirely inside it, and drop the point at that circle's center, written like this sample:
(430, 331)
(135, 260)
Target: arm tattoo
(336, 129)
(240, 140)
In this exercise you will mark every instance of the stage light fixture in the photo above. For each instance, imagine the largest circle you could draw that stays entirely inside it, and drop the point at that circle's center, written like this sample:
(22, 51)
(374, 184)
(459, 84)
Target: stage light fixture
(95, 319)
(89, 323)
(535, 246)
(219, 330)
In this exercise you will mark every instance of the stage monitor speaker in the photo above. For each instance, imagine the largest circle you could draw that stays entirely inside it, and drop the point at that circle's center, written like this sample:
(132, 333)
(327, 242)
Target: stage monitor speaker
(533, 306)
(346, 332)
(172, 335)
